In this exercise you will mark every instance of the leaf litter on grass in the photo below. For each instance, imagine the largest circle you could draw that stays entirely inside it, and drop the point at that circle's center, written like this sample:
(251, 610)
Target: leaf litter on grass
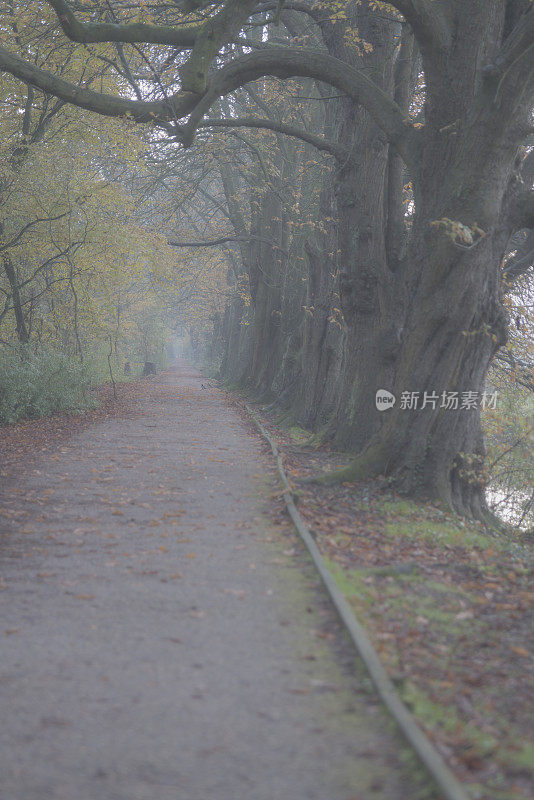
(448, 606)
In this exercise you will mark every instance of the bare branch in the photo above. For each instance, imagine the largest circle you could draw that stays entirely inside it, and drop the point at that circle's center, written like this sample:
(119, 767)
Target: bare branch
(522, 369)
(284, 63)
(72, 246)
(281, 62)
(225, 239)
(518, 267)
(521, 262)
(311, 10)
(212, 243)
(319, 142)
(18, 236)
(89, 32)
(107, 105)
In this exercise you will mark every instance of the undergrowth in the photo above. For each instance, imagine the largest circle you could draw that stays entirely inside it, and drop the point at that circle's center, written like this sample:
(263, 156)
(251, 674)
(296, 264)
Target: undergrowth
(37, 382)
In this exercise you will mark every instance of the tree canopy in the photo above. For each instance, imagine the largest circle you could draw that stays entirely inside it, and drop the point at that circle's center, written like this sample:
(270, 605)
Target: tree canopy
(421, 209)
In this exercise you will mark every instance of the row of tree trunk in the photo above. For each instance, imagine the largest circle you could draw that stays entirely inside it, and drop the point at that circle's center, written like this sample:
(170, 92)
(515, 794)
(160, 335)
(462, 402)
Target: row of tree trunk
(398, 286)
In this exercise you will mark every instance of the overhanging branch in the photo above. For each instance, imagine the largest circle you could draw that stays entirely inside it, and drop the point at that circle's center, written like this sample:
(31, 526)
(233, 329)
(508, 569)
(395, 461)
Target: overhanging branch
(280, 62)
(319, 142)
(209, 243)
(226, 239)
(136, 33)
(285, 63)
(311, 10)
(178, 105)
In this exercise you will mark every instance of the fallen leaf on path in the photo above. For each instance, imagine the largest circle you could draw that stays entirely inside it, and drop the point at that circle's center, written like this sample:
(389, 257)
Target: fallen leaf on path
(520, 651)
(323, 634)
(239, 593)
(324, 685)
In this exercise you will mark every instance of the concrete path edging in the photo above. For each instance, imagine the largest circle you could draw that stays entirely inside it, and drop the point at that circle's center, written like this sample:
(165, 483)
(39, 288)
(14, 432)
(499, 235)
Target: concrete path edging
(426, 752)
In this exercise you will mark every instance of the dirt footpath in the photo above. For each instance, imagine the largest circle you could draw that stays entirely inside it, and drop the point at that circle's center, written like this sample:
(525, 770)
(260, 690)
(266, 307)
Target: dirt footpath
(161, 638)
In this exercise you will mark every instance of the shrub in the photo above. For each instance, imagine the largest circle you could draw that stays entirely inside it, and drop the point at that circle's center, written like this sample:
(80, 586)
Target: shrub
(38, 382)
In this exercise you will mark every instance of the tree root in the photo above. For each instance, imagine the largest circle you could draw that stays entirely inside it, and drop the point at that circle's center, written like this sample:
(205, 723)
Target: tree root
(369, 464)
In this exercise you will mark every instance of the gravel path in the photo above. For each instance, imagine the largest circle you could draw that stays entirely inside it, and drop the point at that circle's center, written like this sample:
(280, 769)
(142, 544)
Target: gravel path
(162, 638)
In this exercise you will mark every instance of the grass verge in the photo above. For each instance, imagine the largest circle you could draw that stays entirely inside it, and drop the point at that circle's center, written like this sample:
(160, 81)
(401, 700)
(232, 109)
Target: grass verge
(448, 606)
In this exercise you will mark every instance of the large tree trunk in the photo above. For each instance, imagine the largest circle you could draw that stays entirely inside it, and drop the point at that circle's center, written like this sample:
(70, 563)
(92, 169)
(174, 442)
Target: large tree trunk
(455, 320)
(263, 245)
(321, 340)
(455, 325)
(432, 450)
(322, 328)
(266, 290)
(234, 359)
(372, 337)
(366, 279)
